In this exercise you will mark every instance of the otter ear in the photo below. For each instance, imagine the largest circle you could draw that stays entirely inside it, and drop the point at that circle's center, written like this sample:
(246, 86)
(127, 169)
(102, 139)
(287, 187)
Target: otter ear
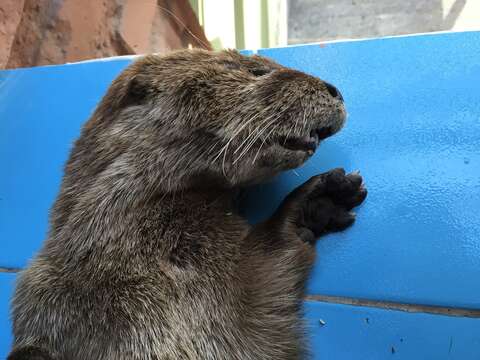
(135, 93)
(125, 91)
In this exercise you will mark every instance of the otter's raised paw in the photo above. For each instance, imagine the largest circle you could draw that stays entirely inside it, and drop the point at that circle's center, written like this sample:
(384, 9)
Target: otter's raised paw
(324, 203)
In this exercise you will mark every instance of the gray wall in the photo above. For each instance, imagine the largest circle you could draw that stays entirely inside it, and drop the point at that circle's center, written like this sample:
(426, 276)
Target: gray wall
(317, 20)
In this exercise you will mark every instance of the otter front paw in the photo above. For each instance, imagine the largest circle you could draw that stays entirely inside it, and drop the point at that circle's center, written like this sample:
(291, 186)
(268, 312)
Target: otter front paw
(324, 203)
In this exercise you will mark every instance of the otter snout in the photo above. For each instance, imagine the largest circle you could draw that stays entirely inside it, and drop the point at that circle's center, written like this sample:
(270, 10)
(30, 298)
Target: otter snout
(324, 132)
(308, 108)
(334, 121)
(332, 90)
(306, 82)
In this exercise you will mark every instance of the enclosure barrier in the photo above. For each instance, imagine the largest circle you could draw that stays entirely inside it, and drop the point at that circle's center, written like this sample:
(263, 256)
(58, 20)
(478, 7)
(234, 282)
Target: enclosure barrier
(404, 280)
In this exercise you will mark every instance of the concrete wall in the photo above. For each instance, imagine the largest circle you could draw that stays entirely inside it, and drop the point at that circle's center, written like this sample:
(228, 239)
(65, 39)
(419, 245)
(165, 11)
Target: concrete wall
(317, 20)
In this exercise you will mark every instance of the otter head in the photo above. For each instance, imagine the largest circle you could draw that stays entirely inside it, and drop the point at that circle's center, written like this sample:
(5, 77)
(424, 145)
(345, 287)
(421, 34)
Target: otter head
(196, 118)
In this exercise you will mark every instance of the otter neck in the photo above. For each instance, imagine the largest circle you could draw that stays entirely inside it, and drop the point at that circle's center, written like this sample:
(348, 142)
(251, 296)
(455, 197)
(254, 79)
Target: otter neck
(221, 198)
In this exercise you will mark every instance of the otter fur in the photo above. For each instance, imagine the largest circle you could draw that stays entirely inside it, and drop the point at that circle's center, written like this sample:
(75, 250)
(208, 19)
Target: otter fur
(147, 256)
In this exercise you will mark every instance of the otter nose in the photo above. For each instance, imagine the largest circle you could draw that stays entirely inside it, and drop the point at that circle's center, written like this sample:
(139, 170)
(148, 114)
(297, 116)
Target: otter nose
(332, 90)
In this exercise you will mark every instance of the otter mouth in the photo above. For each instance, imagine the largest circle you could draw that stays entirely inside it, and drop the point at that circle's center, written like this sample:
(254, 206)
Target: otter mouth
(308, 143)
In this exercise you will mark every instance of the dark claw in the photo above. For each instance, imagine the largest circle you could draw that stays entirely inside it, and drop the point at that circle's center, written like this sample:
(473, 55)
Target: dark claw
(342, 220)
(306, 235)
(355, 179)
(353, 200)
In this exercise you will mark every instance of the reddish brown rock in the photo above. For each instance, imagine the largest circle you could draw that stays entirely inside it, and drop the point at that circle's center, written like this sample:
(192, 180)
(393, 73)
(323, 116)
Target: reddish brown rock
(10, 16)
(41, 32)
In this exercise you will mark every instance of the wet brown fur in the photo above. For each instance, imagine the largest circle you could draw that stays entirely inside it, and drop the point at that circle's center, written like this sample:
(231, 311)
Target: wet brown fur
(147, 257)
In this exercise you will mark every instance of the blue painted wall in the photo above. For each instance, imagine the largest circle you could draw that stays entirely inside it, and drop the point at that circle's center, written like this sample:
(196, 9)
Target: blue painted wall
(41, 112)
(414, 133)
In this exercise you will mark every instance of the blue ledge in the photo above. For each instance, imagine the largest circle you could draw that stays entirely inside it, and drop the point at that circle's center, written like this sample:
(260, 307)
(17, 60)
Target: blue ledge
(6, 291)
(344, 332)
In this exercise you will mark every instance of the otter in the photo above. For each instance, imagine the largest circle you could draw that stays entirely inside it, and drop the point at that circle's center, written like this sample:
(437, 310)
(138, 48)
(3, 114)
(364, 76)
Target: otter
(147, 256)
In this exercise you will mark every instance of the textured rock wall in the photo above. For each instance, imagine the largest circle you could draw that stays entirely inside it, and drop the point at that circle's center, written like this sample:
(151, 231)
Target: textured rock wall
(10, 16)
(41, 32)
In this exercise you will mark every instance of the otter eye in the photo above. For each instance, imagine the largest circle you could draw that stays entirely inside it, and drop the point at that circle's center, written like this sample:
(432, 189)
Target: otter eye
(259, 71)
(231, 65)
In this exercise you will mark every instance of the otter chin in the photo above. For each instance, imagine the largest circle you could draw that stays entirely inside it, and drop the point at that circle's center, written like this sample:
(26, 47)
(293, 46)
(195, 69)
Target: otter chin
(147, 256)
